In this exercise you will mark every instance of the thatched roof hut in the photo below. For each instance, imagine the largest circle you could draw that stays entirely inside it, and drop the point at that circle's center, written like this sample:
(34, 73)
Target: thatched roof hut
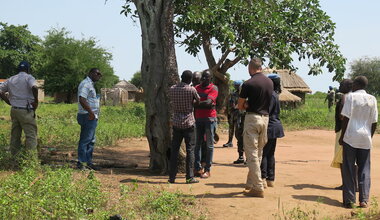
(126, 85)
(291, 82)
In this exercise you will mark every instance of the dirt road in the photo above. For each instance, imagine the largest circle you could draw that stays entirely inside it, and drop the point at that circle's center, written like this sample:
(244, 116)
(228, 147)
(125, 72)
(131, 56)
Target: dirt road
(304, 177)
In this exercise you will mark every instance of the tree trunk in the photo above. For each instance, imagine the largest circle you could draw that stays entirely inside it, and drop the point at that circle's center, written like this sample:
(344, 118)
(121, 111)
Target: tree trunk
(223, 92)
(159, 72)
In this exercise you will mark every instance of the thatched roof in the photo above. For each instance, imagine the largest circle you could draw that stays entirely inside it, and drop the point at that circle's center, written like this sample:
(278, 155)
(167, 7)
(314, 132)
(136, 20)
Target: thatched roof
(290, 81)
(286, 96)
(126, 85)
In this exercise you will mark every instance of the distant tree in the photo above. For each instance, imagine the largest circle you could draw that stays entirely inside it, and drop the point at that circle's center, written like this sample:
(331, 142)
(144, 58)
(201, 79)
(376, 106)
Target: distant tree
(369, 67)
(17, 43)
(272, 30)
(67, 62)
(136, 79)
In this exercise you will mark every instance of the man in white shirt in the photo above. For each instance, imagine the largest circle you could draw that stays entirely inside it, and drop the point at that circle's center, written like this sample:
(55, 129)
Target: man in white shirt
(358, 126)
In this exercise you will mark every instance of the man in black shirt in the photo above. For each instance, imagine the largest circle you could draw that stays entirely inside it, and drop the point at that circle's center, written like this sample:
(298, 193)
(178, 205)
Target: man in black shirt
(255, 97)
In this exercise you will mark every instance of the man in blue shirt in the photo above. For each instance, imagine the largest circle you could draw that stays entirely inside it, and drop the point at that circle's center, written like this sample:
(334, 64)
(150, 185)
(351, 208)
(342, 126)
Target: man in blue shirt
(88, 114)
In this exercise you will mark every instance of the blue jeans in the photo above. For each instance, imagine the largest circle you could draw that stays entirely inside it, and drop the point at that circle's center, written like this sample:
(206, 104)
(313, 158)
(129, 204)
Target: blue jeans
(204, 128)
(362, 157)
(87, 138)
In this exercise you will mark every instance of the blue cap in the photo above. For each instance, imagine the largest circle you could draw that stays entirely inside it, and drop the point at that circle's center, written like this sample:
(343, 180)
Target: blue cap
(273, 76)
(330, 87)
(238, 82)
(24, 65)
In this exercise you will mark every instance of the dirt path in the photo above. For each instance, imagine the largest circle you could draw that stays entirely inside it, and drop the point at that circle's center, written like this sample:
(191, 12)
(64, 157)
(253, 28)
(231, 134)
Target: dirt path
(303, 177)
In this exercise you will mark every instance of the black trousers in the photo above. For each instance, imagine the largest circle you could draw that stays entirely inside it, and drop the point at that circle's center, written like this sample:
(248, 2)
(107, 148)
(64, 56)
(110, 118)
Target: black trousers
(268, 162)
(178, 135)
(239, 134)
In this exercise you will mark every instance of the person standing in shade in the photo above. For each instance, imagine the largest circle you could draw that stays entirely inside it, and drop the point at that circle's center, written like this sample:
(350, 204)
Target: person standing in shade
(232, 113)
(87, 117)
(275, 130)
(344, 88)
(359, 124)
(183, 96)
(23, 97)
(255, 97)
(205, 117)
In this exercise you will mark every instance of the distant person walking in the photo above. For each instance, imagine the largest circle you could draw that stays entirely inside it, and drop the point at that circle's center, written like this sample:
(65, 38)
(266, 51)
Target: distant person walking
(330, 97)
(88, 115)
(345, 87)
(255, 97)
(205, 117)
(23, 97)
(359, 124)
(275, 130)
(183, 96)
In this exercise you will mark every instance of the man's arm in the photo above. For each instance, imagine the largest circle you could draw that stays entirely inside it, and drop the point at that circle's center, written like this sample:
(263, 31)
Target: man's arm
(373, 128)
(5, 98)
(344, 128)
(86, 106)
(35, 95)
(242, 104)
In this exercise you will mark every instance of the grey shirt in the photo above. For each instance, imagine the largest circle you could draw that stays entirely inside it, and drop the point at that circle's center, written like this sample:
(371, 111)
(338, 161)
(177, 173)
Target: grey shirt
(20, 89)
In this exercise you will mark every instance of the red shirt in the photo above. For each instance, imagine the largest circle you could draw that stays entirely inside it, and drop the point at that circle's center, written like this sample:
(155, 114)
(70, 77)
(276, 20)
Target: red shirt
(208, 92)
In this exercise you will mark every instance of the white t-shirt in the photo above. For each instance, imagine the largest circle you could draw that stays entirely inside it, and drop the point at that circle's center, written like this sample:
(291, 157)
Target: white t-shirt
(361, 109)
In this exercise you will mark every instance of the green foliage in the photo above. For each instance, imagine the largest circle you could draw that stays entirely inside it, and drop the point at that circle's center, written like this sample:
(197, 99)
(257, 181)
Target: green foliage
(314, 114)
(49, 194)
(17, 43)
(369, 67)
(269, 29)
(136, 79)
(67, 62)
(57, 125)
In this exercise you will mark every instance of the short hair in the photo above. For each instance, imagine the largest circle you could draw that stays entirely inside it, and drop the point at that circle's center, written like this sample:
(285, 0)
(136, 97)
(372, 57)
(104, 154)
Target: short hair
(256, 63)
(187, 75)
(93, 70)
(361, 81)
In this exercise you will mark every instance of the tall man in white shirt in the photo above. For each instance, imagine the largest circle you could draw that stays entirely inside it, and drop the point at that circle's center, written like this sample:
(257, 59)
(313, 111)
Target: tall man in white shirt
(358, 126)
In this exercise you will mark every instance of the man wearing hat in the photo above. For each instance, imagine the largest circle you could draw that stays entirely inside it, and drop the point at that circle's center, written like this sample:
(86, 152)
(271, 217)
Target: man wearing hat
(23, 97)
(330, 97)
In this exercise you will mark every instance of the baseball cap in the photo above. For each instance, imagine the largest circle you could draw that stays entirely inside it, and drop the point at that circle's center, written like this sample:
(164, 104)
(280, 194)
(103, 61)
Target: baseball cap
(24, 65)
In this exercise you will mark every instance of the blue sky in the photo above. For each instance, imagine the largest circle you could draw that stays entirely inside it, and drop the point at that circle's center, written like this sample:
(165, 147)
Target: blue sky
(357, 32)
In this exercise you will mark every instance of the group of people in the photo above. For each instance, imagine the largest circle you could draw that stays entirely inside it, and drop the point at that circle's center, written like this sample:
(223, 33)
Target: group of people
(355, 123)
(253, 113)
(21, 93)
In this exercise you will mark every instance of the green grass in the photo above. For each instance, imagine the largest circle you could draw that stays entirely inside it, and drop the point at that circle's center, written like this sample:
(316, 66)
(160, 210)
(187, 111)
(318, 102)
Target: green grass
(58, 127)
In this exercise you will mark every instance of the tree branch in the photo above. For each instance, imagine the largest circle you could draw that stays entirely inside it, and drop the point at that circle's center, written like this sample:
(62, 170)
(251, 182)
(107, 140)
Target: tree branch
(228, 64)
(206, 43)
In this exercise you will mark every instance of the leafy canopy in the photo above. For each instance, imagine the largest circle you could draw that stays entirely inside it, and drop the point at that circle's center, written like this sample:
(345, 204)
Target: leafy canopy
(272, 29)
(136, 79)
(17, 43)
(369, 67)
(67, 62)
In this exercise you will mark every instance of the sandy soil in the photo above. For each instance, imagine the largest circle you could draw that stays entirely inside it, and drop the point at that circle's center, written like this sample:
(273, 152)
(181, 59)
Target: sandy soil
(304, 177)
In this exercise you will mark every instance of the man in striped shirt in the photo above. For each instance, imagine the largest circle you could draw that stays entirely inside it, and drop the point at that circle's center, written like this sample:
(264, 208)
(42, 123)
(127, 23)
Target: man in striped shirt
(183, 96)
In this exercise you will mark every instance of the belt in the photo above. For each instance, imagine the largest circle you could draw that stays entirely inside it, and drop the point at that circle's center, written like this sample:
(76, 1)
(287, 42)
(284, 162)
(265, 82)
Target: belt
(24, 108)
(254, 113)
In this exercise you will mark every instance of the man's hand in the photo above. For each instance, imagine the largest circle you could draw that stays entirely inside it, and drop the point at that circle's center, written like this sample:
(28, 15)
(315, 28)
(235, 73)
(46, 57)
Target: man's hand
(34, 105)
(341, 140)
(91, 116)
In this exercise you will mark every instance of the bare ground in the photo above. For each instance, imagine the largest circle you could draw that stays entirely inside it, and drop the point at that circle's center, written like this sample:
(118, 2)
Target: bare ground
(304, 177)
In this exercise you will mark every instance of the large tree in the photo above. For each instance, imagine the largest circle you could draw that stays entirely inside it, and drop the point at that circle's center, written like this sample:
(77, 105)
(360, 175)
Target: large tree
(68, 60)
(159, 71)
(274, 30)
(17, 43)
(369, 67)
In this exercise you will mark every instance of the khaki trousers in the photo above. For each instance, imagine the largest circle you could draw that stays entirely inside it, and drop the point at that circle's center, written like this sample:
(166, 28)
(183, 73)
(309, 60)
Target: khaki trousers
(23, 120)
(255, 137)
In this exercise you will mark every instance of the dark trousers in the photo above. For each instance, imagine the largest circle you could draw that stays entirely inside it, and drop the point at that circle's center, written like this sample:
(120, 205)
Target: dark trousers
(232, 124)
(239, 134)
(268, 162)
(87, 138)
(178, 135)
(363, 160)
